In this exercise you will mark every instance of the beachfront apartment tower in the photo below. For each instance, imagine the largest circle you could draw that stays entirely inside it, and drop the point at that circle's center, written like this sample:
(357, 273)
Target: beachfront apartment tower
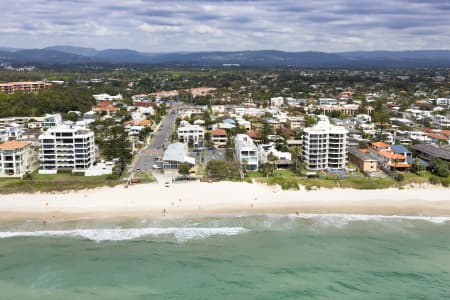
(325, 147)
(66, 148)
(246, 151)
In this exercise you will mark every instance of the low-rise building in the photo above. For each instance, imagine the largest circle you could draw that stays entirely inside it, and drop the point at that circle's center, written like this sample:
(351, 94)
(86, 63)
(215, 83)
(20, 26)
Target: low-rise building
(17, 158)
(107, 97)
(175, 154)
(51, 120)
(387, 158)
(31, 86)
(219, 137)
(191, 134)
(440, 121)
(246, 151)
(430, 152)
(365, 162)
(295, 122)
(265, 152)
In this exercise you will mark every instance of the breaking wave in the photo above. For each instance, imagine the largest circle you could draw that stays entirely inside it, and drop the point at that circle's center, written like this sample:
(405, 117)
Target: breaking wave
(347, 218)
(181, 234)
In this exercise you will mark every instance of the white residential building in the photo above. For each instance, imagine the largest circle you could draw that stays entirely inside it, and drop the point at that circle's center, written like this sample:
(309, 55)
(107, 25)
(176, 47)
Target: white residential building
(441, 121)
(51, 120)
(327, 101)
(276, 101)
(191, 134)
(246, 150)
(66, 148)
(325, 146)
(17, 158)
(107, 97)
(443, 102)
(264, 152)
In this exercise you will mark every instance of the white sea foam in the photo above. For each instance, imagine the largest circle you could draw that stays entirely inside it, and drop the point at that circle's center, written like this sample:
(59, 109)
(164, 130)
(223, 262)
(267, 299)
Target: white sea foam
(347, 218)
(119, 234)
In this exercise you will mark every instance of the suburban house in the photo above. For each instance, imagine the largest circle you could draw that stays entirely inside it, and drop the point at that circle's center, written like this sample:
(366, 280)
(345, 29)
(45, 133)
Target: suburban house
(219, 137)
(246, 151)
(17, 158)
(268, 153)
(387, 158)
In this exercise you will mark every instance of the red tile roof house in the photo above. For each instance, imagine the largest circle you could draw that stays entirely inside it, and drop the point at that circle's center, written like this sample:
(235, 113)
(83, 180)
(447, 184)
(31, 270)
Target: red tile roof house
(105, 107)
(219, 137)
(386, 157)
(17, 158)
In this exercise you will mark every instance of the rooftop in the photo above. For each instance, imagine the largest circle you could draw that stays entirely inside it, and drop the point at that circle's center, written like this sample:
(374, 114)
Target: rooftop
(433, 151)
(13, 145)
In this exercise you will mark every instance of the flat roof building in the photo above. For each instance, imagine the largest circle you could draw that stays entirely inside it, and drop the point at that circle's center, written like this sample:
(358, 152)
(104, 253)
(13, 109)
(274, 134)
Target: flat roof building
(429, 152)
(246, 151)
(66, 148)
(325, 147)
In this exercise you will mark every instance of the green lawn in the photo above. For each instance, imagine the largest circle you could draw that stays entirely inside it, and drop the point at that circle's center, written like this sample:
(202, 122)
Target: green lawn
(54, 183)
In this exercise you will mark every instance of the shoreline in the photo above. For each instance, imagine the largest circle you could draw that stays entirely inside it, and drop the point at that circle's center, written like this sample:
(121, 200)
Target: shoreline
(197, 200)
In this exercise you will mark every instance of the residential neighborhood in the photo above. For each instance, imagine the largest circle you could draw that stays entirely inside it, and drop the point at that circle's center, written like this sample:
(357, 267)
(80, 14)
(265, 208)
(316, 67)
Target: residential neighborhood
(340, 135)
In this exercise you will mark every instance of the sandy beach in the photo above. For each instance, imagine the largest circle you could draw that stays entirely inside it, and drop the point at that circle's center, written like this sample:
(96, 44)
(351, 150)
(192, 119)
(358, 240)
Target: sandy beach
(204, 199)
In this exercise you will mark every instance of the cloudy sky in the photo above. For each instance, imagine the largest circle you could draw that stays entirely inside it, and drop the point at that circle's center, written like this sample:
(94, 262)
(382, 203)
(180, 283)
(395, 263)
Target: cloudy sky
(173, 25)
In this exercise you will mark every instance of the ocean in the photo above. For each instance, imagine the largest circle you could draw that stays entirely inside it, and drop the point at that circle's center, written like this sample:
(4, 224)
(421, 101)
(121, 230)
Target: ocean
(228, 257)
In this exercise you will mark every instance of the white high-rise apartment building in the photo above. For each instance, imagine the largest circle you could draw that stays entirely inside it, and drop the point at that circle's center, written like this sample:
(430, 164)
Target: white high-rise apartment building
(325, 147)
(246, 150)
(66, 148)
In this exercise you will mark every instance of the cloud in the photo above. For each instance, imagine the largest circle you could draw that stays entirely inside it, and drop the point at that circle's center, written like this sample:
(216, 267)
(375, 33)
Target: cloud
(177, 25)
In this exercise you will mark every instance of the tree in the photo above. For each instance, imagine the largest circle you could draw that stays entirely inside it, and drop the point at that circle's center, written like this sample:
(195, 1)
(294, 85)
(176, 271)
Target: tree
(266, 131)
(222, 169)
(417, 167)
(184, 168)
(440, 168)
(114, 144)
(71, 116)
(310, 121)
(267, 169)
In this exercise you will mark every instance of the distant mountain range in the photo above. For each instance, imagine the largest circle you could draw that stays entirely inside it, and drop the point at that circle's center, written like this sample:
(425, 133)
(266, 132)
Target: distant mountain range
(69, 55)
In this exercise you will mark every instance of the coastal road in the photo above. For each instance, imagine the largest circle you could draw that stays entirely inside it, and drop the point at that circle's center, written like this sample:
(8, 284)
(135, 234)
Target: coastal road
(158, 143)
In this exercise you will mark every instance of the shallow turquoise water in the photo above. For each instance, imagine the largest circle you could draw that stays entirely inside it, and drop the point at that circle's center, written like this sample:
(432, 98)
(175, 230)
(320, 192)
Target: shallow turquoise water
(259, 257)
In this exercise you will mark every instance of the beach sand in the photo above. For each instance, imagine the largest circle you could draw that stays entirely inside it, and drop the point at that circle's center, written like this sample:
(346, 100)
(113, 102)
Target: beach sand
(197, 199)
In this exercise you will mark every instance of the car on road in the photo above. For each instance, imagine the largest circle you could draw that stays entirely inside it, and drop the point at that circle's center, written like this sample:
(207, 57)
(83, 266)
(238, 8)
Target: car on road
(138, 170)
(155, 166)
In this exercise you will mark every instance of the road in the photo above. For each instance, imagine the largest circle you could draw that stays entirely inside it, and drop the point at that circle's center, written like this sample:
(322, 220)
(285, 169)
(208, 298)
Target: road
(158, 143)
